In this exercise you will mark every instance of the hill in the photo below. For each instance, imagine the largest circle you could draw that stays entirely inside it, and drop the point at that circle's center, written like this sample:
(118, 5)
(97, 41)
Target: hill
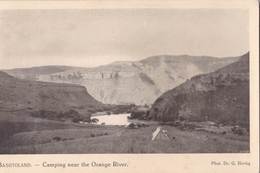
(33, 72)
(139, 82)
(221, 96)
(24, 95)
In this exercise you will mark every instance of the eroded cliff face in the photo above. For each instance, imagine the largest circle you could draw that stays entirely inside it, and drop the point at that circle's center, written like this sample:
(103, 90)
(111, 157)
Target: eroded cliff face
(221, 96)
(114, 85)
(18, 94)
(138, 82)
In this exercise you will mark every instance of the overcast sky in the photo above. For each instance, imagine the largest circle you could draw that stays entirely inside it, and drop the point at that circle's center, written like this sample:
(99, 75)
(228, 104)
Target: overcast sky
(97, 37)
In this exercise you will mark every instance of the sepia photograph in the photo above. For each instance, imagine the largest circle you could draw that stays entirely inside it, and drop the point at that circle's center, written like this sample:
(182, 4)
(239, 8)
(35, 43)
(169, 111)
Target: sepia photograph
(125, 81)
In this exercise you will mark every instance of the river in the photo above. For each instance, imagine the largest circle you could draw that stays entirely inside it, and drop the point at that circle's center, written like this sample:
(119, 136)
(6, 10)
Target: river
(113, 119)
(118, 119)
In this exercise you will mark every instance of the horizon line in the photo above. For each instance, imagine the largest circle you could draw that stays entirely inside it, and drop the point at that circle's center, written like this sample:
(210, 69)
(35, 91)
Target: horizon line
(158, 55)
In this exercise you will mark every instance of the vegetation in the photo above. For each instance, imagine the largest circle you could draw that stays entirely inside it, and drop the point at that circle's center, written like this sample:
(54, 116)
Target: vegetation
(71, 115)
(221, 96)
(100, 139)
(118, 109)
(185, 113)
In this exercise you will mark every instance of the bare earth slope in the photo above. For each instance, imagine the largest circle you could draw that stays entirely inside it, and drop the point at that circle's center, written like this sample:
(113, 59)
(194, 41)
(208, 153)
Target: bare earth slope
(221, 96)
(139, 82)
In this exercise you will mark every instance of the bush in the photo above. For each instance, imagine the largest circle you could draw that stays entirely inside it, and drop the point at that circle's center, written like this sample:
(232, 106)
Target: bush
(72, 115)
(94, 120)
(77, 119)
(239, 130)
(138, 115)
(56, 138)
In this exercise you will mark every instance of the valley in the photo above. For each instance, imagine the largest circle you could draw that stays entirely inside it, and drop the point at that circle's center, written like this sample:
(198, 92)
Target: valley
(116, 108)
(52, 137)
(136, 82)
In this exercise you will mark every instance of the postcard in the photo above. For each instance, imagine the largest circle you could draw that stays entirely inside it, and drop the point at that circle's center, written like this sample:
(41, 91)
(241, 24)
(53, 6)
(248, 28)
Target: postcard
(129, 86)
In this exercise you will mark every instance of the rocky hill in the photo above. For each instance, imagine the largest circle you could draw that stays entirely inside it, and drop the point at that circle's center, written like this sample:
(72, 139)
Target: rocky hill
(24, 95)
(139, 82)
(221, 96)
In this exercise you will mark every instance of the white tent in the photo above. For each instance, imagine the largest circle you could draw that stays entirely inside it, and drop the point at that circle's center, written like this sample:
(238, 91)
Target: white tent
(160, 134)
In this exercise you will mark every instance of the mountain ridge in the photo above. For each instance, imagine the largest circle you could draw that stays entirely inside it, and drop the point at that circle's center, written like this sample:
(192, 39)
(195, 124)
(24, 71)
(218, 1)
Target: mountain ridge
(133, 82)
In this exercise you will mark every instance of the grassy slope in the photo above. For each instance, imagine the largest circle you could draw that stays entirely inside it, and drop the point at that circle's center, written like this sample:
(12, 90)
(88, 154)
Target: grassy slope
(221, 96)
(122, 140)
(18, 94)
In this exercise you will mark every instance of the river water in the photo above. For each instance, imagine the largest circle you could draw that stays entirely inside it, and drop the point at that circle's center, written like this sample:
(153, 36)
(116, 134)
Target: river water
(113, 119)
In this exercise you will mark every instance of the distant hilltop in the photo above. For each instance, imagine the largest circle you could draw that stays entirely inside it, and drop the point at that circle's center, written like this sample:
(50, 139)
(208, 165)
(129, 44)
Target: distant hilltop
(138, 82)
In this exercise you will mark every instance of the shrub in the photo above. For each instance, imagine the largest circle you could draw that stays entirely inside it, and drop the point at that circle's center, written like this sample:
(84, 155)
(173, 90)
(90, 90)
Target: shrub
(94, 120)
(77, 119)
(56, 138)
(138, 115)
(72, 115)
(238, 130)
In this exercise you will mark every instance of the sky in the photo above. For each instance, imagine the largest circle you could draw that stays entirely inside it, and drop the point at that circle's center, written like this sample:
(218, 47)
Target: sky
(93, 37)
